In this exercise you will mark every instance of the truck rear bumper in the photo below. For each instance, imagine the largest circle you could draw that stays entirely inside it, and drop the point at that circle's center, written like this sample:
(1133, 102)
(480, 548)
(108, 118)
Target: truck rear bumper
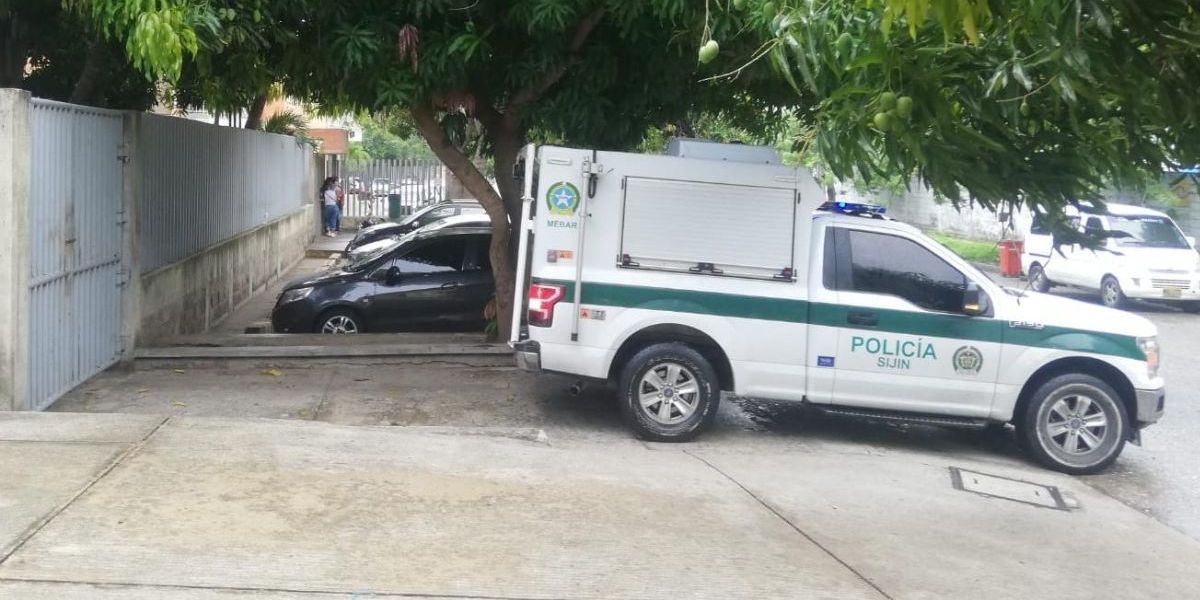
(528, 354)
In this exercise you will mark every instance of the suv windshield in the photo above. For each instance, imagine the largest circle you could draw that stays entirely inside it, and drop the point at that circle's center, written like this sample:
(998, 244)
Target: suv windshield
(1146, 232)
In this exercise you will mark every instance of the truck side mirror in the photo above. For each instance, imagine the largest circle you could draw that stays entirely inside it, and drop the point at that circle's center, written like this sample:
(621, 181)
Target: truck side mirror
(975, 302)
(393, 275)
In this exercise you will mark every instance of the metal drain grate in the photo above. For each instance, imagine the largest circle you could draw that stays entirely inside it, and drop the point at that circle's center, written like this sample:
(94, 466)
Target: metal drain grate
(995, 486)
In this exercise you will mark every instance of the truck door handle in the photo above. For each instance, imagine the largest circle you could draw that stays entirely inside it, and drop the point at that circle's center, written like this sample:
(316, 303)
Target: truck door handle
(862, 317)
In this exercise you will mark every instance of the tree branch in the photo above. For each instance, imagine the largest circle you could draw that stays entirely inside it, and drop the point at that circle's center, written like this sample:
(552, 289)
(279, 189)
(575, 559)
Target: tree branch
(533, 91)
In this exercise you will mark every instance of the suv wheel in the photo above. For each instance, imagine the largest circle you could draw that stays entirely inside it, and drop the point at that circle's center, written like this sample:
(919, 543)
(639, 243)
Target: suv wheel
(1037, 279)
(339, 321)
(1110, 292)
(1074, 423)
(668, 393)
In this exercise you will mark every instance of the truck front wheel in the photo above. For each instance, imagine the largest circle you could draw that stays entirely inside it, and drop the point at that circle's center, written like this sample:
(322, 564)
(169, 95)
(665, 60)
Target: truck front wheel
(668, 393)
(1074, 423)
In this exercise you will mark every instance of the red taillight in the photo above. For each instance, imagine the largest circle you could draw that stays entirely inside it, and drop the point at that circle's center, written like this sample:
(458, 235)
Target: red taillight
(542, 298)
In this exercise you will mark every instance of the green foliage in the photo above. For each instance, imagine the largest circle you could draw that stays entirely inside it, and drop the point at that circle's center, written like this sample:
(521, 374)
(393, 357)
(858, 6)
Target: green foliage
(358, 153)
(1040, 101)
(636, 68)
(384, 137)
(286, 122)
(969, 250)
(158, 33)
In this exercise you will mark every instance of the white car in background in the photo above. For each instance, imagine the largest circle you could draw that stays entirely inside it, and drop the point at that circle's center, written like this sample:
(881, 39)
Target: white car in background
(1146, 257)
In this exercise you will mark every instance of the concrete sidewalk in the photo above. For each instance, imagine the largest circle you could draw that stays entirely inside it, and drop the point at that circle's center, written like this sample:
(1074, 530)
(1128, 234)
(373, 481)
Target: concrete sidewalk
(125, 506)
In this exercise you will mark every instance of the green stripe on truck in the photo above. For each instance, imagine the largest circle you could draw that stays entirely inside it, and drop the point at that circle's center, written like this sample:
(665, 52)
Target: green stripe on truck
(834, 315)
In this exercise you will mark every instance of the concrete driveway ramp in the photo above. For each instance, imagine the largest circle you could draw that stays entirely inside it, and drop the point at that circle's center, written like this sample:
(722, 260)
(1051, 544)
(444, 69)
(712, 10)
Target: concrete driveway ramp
(309, 507)
(48, 460)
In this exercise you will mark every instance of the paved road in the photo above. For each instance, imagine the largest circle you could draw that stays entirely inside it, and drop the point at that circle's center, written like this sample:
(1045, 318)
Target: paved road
(190, 508)
(1162, 478)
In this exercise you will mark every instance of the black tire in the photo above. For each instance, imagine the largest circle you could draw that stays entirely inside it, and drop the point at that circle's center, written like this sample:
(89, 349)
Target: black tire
(1111, 294)
(1052, 423)
(1191, 306)
(648, 421)
(1038, 280)
(339, 321)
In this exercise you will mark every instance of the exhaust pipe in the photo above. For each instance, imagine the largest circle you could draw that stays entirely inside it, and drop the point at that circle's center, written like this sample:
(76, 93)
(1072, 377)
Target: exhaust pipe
(576, 388)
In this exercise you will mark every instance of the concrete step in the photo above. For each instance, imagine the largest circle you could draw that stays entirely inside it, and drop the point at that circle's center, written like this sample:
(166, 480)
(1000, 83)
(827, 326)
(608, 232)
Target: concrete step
(465, 354)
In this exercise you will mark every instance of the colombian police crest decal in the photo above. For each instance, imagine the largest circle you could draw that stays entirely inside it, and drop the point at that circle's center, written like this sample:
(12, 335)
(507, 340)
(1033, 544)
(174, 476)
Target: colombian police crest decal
(968, 360)
(562, 199)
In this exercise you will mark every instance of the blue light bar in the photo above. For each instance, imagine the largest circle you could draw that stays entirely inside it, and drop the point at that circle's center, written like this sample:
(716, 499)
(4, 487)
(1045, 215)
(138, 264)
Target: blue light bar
(854, 208)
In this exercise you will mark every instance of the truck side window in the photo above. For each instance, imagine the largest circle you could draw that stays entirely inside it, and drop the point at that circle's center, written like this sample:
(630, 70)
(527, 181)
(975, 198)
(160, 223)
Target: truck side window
(829, 268)
(888, 264)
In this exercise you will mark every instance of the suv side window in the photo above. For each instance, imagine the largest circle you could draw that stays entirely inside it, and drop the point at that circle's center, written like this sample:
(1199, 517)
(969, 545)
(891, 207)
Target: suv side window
(438, 256)
(889, 264)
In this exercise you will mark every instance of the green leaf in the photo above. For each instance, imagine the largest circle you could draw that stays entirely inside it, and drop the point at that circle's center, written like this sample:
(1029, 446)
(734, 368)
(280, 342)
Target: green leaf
(779, 59)
(1018, 72)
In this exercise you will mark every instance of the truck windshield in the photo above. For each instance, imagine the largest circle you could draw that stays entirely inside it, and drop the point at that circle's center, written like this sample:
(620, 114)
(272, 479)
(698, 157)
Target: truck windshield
(1146, 232)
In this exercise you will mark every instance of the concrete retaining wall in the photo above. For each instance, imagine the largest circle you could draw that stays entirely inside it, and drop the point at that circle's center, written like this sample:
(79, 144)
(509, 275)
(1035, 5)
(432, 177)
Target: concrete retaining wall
(194, 294)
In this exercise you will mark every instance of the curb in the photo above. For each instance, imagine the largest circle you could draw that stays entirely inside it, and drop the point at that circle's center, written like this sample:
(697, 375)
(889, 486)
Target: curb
(272, 352)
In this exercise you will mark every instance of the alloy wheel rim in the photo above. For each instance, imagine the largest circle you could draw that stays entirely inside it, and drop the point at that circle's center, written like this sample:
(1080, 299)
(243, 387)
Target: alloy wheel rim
(668, 393)
(1110, 293)
(339, 324)
(1077, 424)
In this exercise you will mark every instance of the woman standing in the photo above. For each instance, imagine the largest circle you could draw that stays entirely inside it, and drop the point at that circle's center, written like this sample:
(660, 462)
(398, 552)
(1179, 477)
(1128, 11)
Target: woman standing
(332, 214)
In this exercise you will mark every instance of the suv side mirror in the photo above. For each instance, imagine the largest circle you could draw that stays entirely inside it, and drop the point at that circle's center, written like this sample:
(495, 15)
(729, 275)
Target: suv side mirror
(392, 277)
(975, 302)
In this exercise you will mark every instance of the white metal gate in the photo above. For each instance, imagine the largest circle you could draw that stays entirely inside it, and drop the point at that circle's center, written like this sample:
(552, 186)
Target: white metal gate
(75, 241)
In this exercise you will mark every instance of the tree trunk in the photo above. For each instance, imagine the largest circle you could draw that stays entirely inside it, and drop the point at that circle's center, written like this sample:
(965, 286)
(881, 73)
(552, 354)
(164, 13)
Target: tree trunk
(458, 163)
(89, 77)
(506, 149)
(255, 114)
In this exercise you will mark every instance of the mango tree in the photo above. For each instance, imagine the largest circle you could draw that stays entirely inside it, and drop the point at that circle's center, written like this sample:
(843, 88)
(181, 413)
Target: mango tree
(1040, 102)
(590, 72)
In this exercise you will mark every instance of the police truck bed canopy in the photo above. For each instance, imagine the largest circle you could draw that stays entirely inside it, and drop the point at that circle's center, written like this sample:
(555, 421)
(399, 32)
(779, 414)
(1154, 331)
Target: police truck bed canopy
(708, 228)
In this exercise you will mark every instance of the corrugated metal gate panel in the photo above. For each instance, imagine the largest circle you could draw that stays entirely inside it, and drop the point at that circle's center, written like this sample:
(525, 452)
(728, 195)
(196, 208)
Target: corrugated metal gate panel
(75, 246)
(202, 185)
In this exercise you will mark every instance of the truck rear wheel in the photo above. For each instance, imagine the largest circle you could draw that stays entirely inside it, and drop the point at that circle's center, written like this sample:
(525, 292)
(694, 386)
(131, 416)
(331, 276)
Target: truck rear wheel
(668, 393)
(1074, 423)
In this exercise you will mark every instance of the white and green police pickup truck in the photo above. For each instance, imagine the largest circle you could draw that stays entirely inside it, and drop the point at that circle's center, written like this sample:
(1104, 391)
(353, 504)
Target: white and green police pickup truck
(715, 269)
